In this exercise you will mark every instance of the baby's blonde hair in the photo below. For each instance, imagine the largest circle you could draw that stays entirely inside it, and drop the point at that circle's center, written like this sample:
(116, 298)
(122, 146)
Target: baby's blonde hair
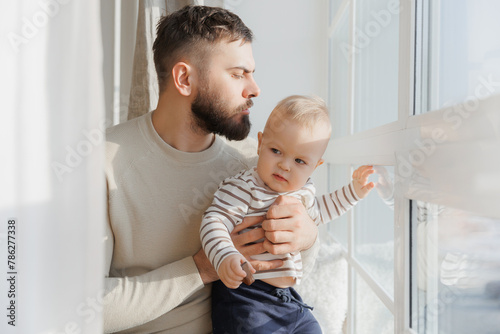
(307, 110)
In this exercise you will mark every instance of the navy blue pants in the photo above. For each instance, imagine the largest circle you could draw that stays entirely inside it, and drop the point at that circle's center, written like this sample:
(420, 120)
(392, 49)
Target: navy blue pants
(260, 309)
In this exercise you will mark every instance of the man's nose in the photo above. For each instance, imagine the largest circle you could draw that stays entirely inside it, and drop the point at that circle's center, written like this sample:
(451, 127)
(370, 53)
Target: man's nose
(252, 89)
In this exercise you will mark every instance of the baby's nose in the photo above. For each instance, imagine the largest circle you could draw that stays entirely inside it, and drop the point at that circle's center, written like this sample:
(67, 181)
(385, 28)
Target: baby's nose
(284, 165)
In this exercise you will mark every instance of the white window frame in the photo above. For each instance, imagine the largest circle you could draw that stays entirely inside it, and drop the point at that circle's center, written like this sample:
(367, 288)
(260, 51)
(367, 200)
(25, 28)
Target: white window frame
(378, 146)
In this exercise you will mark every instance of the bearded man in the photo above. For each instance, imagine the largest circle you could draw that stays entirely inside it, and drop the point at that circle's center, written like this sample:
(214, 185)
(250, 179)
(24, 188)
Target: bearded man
(162, 169)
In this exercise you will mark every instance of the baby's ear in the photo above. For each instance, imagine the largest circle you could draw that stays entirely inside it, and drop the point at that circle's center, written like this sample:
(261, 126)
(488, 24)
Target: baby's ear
(320, 162)
(259, 137)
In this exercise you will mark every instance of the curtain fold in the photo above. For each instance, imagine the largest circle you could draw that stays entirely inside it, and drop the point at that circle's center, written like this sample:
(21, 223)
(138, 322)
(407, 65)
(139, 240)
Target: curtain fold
(144, 88)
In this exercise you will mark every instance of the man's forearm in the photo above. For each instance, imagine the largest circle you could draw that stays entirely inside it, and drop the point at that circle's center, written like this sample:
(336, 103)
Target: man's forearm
(133, 301)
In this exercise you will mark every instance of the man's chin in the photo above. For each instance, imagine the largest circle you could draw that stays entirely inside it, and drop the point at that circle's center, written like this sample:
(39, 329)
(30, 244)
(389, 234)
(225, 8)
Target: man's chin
(238, 129)
(236, 137)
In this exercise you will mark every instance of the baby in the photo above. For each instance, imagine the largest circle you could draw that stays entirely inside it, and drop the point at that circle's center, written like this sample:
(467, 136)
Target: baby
(290, 149)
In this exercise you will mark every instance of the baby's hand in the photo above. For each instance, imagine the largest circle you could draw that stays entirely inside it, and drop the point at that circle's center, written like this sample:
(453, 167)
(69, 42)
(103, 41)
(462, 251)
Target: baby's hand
(230, 271)
(360, 179)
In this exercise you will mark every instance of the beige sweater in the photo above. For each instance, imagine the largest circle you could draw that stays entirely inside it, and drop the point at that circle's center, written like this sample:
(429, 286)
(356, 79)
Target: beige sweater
(156, 198)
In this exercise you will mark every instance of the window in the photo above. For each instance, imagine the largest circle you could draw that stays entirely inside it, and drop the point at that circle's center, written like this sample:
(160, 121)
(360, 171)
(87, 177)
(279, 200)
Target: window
(460, 42)
(363, 96)
(376, 49)
(413, 89)
(456, 257)
(374, 238)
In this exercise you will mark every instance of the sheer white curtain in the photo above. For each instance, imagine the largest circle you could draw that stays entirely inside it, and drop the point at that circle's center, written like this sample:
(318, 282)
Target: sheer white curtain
(52, 189)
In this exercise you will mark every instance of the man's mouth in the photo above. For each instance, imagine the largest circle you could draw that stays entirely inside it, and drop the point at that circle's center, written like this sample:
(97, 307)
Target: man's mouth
(245, 109)
(279, 178)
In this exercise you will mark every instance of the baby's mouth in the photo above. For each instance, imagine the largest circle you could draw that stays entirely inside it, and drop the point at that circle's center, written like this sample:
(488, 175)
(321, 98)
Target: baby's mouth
(279, 178)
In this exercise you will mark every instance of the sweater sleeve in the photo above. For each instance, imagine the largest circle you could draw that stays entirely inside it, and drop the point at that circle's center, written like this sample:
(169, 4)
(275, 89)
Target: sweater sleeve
(132, 301)
(309, 257)
(229, 207)
(337, 203)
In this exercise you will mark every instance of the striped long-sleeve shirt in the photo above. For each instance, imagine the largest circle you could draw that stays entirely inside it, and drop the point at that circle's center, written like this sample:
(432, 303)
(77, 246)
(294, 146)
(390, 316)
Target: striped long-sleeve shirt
(246, 195)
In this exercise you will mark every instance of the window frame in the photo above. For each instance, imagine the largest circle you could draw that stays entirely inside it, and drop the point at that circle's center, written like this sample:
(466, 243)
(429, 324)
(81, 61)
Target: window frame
(371, 147)
(379, 146)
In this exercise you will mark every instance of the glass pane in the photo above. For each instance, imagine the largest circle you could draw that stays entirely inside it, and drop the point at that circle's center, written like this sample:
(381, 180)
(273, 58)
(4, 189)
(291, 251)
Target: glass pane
(464, 51)
(376, 50)
(456, 271)
(371, 315)
(339, 176)
(374, 230)
(339, 78)
(334, 7)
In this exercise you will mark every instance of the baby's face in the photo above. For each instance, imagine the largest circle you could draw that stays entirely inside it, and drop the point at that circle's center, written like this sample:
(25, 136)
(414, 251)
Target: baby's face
(289, 155)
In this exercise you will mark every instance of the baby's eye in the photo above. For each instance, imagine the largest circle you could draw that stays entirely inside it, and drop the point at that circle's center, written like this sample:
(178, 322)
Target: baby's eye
(300, 161)
(275, 151)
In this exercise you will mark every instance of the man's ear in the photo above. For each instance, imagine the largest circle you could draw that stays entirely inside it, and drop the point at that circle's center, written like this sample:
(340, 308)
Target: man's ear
(181, 74)
(320, 162)
(259, 137)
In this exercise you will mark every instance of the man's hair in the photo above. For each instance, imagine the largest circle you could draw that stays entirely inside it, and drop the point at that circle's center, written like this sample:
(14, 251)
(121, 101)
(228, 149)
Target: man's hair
(192, 32)
(307, 110)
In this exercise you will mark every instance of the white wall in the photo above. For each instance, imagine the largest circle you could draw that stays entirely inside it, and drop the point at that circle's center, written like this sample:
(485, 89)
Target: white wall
(289, 50)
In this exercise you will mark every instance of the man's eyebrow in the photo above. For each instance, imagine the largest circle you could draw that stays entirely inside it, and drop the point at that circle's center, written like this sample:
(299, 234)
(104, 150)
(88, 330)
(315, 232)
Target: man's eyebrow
(243, 68)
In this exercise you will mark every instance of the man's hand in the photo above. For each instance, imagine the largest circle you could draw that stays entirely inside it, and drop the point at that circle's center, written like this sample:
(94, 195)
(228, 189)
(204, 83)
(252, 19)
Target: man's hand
(246, 243)
(288, 228)
(230, 271)
(205, 268)
(360, 179)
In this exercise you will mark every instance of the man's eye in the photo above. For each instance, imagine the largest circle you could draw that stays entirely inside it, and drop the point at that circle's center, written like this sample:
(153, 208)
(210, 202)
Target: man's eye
(238, 76)
(275, 151)
(300, 161)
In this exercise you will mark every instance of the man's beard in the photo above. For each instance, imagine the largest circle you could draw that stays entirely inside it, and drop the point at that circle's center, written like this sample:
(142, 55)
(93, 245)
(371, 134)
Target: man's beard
(212, 115)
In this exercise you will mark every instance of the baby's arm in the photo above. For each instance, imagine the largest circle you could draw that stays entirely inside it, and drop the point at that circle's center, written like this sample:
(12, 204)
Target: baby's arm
(215, 237)
(230, 271)
(227, 210)
(220, 250)
(337, 203)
